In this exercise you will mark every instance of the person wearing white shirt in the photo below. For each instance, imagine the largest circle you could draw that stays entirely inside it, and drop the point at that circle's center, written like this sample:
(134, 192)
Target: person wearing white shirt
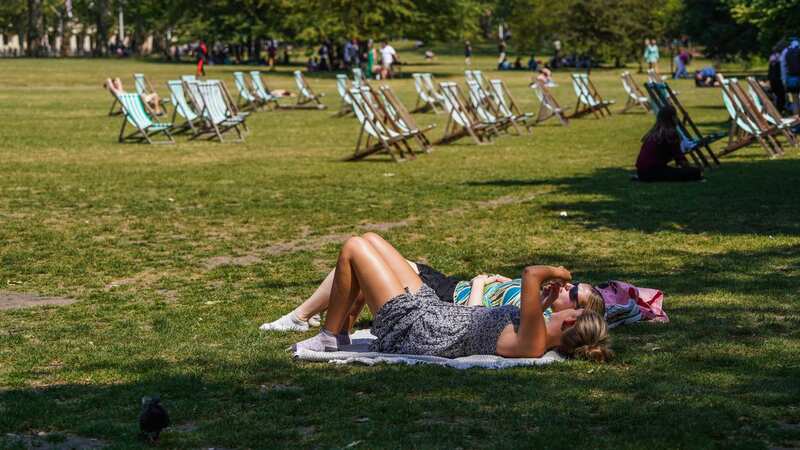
(388, 57)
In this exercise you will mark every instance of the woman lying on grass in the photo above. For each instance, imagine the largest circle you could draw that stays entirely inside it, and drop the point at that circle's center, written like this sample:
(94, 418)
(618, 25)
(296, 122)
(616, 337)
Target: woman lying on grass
(483, 290)
(410, 319)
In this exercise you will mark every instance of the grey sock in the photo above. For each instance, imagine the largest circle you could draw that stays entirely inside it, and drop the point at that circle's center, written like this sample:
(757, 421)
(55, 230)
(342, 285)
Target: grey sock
(325, 341)
(343, 338)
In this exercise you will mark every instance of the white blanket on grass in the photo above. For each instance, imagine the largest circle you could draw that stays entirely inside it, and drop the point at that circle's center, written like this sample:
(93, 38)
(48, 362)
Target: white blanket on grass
(358, 352)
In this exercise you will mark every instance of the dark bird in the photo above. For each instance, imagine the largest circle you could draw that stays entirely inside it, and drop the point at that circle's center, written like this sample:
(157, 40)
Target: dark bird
(153, 418)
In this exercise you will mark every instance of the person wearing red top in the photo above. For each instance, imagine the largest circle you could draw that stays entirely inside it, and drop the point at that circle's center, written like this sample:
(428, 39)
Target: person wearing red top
(202, 56)
(660, 146)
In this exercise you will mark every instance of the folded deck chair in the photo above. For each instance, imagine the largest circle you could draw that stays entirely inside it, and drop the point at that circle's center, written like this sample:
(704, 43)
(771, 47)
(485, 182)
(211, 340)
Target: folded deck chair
(487, 109)
(246, 99)
(508, 107)
(306, 97)
(217, 114)
(144, 88)
(692, 141)
(746, 124)
(136, 114)
(635, 95)
(589, 100)
(346, 106)
(260, 90)
(376, 137)
(182, 108)
(548, 106)
(462, 120)
(766, 108)
(426, 100)
(402, 120)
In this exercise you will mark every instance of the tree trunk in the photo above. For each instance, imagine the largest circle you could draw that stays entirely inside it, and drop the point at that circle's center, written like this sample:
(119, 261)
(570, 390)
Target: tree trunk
(33, 35)
(101, 38)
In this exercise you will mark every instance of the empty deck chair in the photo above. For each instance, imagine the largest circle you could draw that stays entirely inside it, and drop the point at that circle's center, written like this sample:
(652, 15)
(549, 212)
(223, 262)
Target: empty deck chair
(635, 95)
(693, 142)
(589, 100)
(246, 99)
(746, 125)
(486, 109)
(476, 76)
(217, 114)
(402, 120)
(306, 97)
(346, 106)
(766, 108)
(182, 108)
(548, 106)
(375, 136)
(508, 107)
(432, 88)
(462, 120)
(426, 99)
(136, 114)
(261, 91)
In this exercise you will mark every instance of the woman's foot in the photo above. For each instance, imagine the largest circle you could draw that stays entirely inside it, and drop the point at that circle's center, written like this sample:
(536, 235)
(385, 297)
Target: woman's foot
(289, 322)
(315, 320)
(325, 341)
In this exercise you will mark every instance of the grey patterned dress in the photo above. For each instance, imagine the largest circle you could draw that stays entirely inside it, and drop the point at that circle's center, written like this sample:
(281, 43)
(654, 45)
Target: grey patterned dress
(420, 324)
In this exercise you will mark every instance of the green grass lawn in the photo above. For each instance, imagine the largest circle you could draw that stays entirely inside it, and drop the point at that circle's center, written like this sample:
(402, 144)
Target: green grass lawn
(176, 254)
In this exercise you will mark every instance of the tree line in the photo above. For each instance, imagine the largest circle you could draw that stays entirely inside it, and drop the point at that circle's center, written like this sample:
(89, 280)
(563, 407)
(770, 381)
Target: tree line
(612, 30)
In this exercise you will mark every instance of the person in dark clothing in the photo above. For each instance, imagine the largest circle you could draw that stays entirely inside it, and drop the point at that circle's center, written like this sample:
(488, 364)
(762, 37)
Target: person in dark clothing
(660, 146)
(774, 77)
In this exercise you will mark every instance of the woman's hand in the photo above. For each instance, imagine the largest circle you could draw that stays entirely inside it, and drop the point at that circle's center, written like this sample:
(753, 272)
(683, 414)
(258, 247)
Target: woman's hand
(561, 273)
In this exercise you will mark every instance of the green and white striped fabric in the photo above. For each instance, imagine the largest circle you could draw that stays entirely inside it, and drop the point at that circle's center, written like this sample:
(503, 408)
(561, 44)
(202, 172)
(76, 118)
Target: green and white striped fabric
(216, 109)
(178, 99)
(244, 92)
(139, 83)
(261, 89)
(366, 116)
(341, 87)
(136, 114)
(301, 85)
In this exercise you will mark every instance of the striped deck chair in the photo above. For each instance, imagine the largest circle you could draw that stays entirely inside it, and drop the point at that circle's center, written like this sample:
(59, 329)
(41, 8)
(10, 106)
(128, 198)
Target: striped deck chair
(358, 78)
(372, 129)
(766, 108)
(346, 106)
(746, 125)
(427, 78)
(589, 100)
(653, 77)
(693, 142)
(474, 77)
(218, 115)
(188, 78)
(305, 94)
(508, 107)
(425, 99)
(635, 95)
(137, 115)
(487, 109)
(402, 120)
(246, 98)
(182, 108)
(260, 90)
(462, 120)
(144, 88)
(548, 106)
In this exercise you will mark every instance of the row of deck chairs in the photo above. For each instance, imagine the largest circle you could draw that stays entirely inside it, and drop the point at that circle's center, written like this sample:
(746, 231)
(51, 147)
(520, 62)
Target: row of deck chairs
(754, 118)
(256, 95)
(205, 108)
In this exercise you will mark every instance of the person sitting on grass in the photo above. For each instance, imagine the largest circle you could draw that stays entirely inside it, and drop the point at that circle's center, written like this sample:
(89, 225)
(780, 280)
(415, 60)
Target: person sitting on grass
(482, 290)
(410, 319)
(661, 145)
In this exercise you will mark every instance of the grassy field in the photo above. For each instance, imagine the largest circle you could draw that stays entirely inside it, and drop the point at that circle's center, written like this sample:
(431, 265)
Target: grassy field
(176, 254)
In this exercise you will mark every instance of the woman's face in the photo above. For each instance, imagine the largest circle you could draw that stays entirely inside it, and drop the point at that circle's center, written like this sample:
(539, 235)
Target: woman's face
(572, 297)
(562, 320)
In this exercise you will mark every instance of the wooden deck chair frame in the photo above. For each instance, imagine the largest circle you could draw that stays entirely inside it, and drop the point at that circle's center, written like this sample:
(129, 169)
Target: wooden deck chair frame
(771, 113)
(116, 106)
(178, 109)
(306, 97)
(262, 92)
(143, 87)
(461, 120)
(246, 100)
(233, 108)
(601, 107)
(746, 125)
(635, 95)
(212, 96)
(548, 105)
(409, 124)
(504, 98)
(373, 136)
(136, 114)
(661, 95)
(486, 107)
(433, 89)
(426, 100)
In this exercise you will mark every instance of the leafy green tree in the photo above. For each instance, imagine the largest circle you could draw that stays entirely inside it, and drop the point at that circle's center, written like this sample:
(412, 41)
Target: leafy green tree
(710, 23)
(774, 19)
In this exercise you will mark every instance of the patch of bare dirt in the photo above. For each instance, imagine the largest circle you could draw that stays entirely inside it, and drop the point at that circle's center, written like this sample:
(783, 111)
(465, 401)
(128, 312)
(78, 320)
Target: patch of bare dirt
(244, 260)
(18, 300)
(53, 441)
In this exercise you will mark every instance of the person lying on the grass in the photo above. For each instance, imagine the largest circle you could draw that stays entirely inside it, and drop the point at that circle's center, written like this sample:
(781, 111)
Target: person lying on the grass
(496, 290)
(410, 319)
(660, 146)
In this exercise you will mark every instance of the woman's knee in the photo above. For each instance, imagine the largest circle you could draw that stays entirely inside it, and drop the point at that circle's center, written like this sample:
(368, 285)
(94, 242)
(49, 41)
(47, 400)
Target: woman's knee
(373, 238)
(354, 245)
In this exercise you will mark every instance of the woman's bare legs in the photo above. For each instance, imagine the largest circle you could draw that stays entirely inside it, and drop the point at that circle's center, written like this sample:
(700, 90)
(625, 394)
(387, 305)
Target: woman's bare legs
(361, 269)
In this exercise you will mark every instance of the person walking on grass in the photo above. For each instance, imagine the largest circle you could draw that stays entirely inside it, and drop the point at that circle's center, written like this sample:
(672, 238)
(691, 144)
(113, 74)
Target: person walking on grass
(467, 53)
(651, 54)
(201, 52)
(660, 146)
(388, 57)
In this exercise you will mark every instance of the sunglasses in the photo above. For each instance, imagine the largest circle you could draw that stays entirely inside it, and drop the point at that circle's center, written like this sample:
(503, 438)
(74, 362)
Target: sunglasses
(573, 294)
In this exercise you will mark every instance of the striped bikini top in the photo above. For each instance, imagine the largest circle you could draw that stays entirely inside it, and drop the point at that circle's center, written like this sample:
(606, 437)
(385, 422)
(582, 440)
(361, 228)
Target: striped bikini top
(494, 294)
